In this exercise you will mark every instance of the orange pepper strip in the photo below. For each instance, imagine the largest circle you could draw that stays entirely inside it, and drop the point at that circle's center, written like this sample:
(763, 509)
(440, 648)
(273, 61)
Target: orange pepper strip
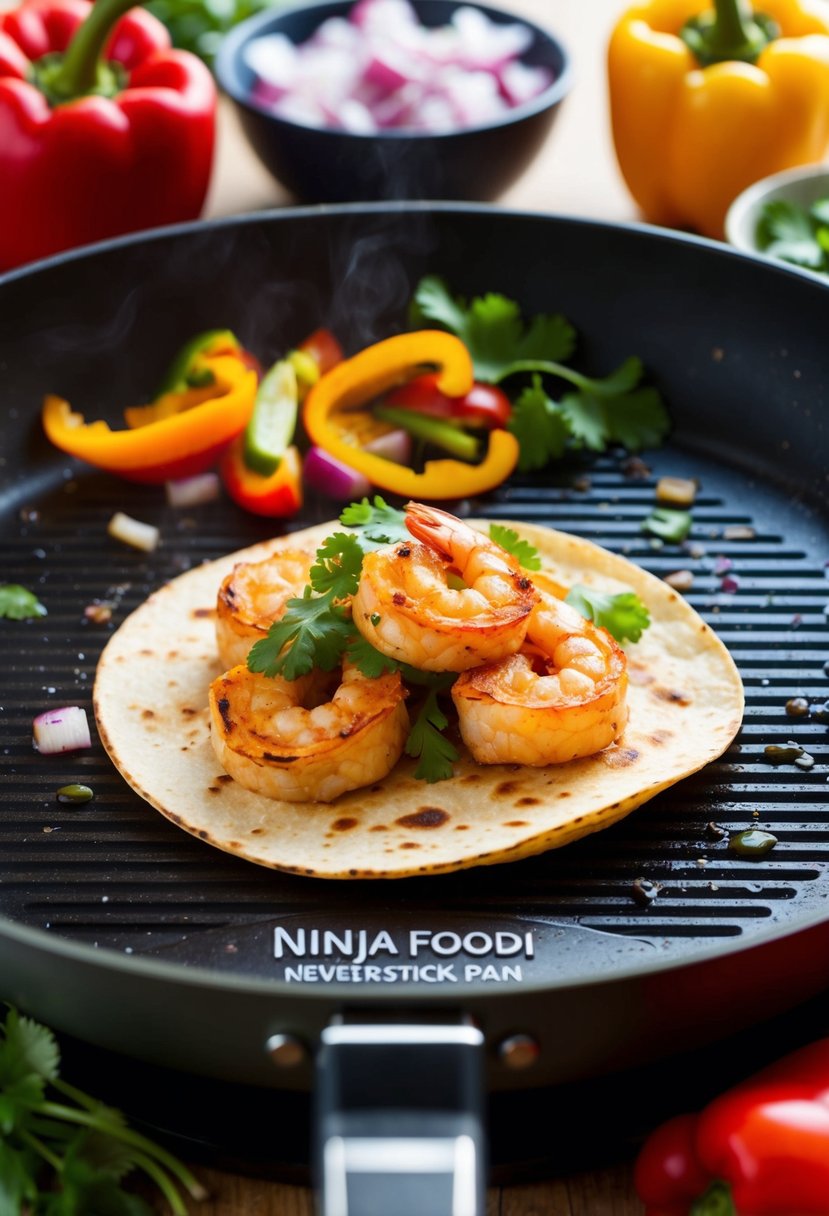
(383, 366)
(177, 446)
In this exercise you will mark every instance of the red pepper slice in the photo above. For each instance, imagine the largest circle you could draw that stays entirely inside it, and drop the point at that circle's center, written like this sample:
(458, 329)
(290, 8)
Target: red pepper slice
(484, 405)
(278, 496)
(323, 348)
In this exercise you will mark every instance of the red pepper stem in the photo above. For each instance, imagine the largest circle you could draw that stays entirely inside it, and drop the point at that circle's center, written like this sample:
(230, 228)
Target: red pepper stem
(81, 70)
(731, 30)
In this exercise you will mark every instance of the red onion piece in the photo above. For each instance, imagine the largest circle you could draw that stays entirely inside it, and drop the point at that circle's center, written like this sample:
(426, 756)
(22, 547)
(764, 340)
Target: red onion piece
(331, 477)
(61, 730)
(193, 491)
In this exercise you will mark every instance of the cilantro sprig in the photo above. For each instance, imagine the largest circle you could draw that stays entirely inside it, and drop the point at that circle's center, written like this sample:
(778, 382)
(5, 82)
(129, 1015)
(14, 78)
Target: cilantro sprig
(592, 413)
(62, 1152)
(426, 742)
(623, 615)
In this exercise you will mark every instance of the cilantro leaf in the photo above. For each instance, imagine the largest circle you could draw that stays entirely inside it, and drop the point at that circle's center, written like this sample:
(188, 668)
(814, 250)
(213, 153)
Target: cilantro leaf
(586, 415)
(427, 743)
(622, 615)
(540, 426)
(312, 632)
(637, 419)
(19, 604)
(492, 328)
(786, 231)
(67, 1157)
(17, 1186)
(368, 659)
(509, 539)
(379, 523)
(338, 564)
(668, 524)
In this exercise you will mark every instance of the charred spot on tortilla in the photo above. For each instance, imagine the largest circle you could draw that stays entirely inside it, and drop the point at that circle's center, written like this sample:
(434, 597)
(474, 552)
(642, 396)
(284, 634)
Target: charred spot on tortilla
(345, 824)
(567, 801)
(674, 696)
(201, 613)
(426, 817)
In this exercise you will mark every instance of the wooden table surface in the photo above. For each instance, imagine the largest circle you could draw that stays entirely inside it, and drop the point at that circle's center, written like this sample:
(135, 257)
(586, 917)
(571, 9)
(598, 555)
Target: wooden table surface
(575, 174)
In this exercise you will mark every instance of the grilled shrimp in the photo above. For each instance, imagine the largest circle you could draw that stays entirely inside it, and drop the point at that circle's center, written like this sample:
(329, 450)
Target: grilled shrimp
(561, 698)
(253, 596)
(407, 606)
(272, 743)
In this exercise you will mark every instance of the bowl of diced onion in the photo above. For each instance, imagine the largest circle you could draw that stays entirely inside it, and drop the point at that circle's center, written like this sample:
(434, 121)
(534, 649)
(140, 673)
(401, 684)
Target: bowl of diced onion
(394, 99)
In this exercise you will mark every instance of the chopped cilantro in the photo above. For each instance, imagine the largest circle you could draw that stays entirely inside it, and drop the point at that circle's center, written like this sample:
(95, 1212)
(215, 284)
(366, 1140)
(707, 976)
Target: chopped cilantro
(790, 232)
(509, 539)
(622, 615)
(314, 631)
(668, 524)
(426, 741)
(19, 604)
(63, 1153)
(379, 523)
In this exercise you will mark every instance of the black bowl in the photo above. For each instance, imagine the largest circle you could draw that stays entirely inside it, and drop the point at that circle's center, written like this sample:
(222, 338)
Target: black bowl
(323, 165)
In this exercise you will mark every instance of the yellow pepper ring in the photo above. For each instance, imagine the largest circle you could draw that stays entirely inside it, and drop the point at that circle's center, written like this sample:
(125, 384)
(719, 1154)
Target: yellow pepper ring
(380, 367)
(210, 423)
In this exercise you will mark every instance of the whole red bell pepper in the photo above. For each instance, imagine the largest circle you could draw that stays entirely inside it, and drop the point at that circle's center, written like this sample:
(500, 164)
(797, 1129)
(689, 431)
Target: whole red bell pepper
(104, 128)
(761, 1149)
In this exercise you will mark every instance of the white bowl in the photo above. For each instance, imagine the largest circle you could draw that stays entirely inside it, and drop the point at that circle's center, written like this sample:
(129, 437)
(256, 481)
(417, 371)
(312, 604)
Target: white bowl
(802, 186)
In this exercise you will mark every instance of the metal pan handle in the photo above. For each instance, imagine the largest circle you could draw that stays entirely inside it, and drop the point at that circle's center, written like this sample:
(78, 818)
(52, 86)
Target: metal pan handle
(399, 1119)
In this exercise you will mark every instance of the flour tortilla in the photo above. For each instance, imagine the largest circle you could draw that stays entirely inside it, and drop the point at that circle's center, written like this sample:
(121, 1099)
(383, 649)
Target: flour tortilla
(685, 700)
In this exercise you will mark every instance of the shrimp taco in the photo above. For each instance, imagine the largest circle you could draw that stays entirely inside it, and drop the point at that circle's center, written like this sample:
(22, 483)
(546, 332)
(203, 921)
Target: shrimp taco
(382, 701)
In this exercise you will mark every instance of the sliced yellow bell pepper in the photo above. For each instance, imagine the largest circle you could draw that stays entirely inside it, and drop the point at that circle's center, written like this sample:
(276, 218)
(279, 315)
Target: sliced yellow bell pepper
(180, 445)
(385, 365)
(693, 128)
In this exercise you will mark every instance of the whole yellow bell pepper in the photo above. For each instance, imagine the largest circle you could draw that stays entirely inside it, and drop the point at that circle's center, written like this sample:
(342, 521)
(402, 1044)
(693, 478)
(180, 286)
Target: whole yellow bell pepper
(375, 370)
(706, 99)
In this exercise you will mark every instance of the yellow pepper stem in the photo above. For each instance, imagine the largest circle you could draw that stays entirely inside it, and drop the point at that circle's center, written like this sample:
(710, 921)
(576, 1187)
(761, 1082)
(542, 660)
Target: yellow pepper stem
(374, 371)
(729, 31)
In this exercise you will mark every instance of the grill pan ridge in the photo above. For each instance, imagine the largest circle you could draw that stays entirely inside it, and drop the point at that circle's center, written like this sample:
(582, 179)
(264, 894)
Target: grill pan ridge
(113, 875)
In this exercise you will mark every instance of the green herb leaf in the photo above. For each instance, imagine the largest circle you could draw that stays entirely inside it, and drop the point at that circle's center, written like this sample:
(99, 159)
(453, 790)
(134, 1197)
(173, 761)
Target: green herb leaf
(622, 615)
(668, 524)
(17, 1185)
(27, 1050)
(786, 231)
(368, 659)
(586, 416)
(492, 328)
(312, 632)
(637, 419)
(426, 741)
(521, 549)
(540, 426)
(379, 523)
(19, 604)
(338, 565)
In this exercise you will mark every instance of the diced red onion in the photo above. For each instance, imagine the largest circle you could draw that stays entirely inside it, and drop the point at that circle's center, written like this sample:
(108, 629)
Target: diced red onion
(331, 477)
(193, 491)
(61, 730)
(393, 445)
(381, 69)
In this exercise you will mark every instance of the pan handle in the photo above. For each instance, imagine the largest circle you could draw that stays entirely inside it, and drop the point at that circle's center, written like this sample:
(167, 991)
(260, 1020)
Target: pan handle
(399, 1127)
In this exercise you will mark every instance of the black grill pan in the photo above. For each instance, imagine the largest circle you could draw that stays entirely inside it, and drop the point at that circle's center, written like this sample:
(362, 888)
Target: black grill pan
(127, 933)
